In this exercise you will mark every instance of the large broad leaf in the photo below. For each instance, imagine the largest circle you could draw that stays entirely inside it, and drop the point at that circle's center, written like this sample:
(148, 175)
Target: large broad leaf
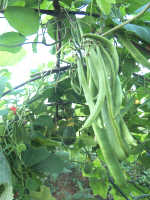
(25, 20)
(5, 179)
(31, 3)
(104, 5)
(8, 58)
(142, 31)
(88, 24)
(35, 155)
(67, 2)
(134, 5)
(53, 164)
(145, 16)
(142, 8)
(43, 194)
(44, 120)
(16, 2)
(11, 41)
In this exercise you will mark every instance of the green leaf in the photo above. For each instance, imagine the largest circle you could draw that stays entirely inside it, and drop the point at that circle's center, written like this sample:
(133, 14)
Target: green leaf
(63, 154)
(86, 140)
(16, 2)
(52, 50)
(25, 20)
(88, 168)
(145, 159)
(67, 2)
(31, 3)
(44, 194)
(134, 5)
(128, 189)
(4, 112)
(88, 24)
(112, 1)
(142, 31)
(141, 8)
(5, 73)
(46, 5)
(53, 164)
(32, 183)
(5, 179)
(99, 187)
(11, 41)
(105, 6)
(145, 16)
(83, 194)
(44, 120)
(35, 155)
(8, 58)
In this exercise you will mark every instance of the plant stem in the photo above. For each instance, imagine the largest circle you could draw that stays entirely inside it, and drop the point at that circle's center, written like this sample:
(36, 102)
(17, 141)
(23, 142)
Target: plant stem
(126, 22)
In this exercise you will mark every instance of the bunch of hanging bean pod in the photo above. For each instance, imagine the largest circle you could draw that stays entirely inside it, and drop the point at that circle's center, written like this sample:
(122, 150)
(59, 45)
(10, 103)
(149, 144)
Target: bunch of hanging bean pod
(103, 93)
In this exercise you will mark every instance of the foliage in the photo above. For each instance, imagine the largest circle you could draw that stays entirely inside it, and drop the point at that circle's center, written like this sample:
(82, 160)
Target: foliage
(40, 124)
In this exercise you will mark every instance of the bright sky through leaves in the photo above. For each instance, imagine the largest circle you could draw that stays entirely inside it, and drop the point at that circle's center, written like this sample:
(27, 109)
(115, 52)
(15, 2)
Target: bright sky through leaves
(21, 71)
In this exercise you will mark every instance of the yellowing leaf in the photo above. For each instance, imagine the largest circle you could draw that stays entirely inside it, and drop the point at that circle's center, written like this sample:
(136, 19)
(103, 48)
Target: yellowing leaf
(70, 124)
(137, 102)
